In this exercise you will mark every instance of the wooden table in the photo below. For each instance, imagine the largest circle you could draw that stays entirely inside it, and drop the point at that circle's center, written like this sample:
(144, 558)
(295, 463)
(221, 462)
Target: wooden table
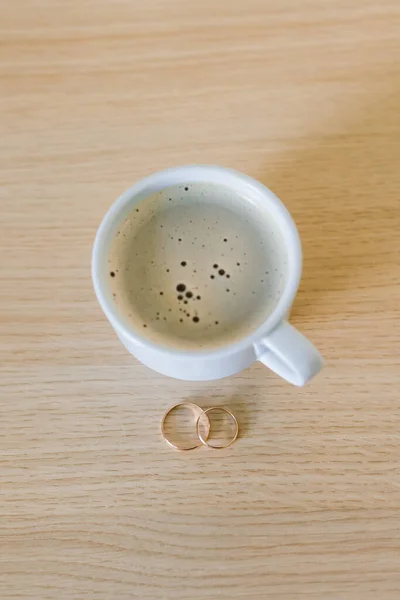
(304, 96)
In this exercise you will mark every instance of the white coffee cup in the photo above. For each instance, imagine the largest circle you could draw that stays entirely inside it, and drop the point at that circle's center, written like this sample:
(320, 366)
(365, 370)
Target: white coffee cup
(275, 343)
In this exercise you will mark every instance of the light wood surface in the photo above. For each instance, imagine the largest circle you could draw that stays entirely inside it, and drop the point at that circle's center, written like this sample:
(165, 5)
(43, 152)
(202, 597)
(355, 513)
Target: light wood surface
(304, 96)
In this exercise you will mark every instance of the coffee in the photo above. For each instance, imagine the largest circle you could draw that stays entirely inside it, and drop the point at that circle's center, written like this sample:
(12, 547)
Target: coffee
(196, 266)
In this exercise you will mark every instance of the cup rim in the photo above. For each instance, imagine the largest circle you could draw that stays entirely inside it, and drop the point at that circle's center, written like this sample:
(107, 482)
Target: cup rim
(190, 174)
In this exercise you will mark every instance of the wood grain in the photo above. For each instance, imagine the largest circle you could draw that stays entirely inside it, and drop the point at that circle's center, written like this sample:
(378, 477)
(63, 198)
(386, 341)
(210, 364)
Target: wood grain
(305, 97)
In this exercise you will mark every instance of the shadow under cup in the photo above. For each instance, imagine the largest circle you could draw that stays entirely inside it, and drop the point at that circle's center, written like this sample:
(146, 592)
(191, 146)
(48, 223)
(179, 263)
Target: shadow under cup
(196, 265)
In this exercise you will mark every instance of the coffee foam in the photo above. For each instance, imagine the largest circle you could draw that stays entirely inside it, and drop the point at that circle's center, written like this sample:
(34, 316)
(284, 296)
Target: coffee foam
(197, 266)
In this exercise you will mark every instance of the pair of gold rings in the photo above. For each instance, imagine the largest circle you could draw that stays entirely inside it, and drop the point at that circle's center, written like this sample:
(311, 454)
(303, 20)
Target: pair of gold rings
(201, 414)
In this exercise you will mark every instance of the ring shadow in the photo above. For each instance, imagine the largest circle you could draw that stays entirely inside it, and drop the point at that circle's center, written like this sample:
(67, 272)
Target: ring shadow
(243, 404)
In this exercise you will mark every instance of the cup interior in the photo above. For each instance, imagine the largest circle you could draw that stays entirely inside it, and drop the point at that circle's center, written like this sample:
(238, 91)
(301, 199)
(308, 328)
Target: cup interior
(254, 195)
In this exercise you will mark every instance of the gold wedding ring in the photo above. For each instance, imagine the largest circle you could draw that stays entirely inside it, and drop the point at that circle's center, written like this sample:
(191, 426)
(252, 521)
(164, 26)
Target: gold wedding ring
(202, 437)
(206, 412)
(198, 411)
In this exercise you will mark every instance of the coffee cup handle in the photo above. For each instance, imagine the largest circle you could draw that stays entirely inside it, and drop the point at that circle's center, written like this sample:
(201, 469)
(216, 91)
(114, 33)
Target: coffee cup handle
(289, 354)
